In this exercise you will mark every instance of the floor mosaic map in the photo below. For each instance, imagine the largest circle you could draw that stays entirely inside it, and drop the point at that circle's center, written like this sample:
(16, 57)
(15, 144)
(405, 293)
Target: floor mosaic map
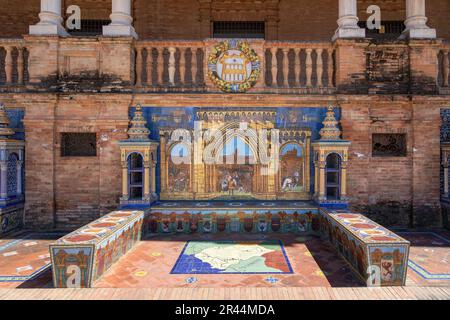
(250, 257)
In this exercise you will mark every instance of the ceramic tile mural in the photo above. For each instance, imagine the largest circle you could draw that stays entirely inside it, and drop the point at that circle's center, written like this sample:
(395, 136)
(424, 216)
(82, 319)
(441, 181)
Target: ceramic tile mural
(224, 181)
(232, 217)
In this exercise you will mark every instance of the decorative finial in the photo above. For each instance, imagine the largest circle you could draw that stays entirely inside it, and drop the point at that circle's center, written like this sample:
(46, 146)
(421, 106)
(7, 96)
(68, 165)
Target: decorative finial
(5, 130)
(138, 126)
(330, 130)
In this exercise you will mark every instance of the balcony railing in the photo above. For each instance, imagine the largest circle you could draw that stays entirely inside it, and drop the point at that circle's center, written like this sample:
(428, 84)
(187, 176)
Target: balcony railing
(13, 62)
(287, 67)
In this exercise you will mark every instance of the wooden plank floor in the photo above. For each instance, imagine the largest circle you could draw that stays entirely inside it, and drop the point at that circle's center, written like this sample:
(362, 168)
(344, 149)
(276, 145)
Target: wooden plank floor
(311, 293)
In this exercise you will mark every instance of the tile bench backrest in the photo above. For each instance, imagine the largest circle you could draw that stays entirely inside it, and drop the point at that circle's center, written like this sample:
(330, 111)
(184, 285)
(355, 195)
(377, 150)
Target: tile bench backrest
(81, 257)
(232, 221)
(368, 247)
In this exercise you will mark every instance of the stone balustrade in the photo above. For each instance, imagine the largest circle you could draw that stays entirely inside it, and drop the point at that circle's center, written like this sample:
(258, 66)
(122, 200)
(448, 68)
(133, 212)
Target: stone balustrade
(308, 66)
(301, 67)
(13, 62)
(168, 65)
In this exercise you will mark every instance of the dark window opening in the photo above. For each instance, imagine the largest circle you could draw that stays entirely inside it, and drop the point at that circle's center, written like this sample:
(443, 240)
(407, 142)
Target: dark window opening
(389, 29)
(90, 28)
(239, 29)
(135, 176)
(78, 145)
(388, 145)
(333, 177)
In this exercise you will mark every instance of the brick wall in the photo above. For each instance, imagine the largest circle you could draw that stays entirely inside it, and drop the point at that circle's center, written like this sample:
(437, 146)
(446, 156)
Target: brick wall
(68, 192)
(397, 191)
(177, 19)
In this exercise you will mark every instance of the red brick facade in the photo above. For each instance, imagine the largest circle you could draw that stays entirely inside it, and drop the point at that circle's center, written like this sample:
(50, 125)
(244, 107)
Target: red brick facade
(190, 19)
(62, 192)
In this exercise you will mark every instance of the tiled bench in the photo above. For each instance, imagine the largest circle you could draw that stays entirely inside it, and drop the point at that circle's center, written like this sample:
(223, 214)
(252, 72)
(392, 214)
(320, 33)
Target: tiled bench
(367, 247)
(81, 257)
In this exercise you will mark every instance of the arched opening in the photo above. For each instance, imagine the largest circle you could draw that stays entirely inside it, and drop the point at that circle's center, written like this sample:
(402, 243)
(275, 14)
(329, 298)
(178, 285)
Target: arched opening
(333, 177)
(135, 176)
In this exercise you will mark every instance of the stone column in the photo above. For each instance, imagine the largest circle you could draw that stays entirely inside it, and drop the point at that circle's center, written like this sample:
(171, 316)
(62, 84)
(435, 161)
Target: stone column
(348, 21)
(9, 64)
(121, 20)
(50, 20)
(20, 65)
(416, 21)
(285, 67)
(274, 68)
(319, 67)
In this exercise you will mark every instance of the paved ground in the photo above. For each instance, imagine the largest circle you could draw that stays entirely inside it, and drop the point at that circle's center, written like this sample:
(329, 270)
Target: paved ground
(311, 293)
(145, 273)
